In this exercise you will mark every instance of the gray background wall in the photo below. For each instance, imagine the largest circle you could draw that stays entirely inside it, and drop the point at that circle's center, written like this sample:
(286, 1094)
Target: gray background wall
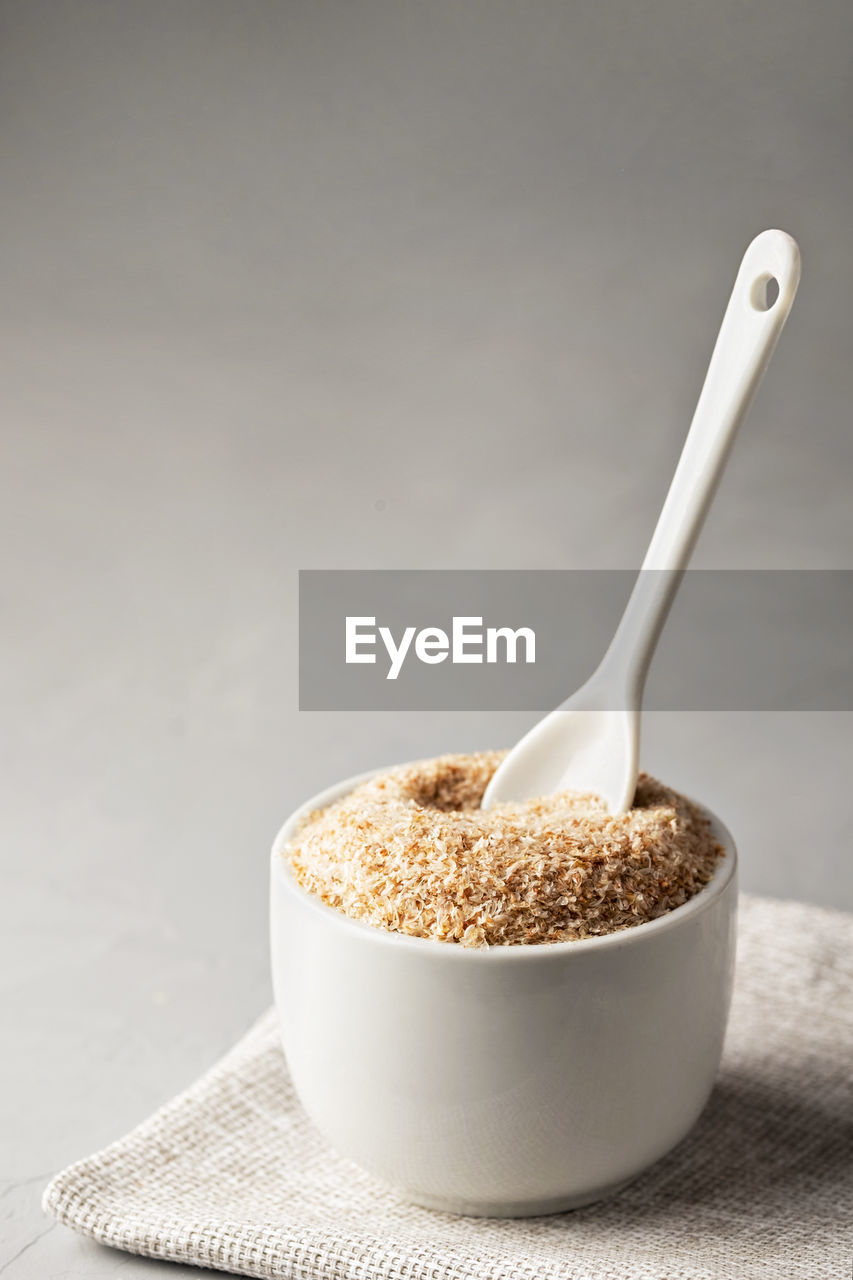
(359, 284)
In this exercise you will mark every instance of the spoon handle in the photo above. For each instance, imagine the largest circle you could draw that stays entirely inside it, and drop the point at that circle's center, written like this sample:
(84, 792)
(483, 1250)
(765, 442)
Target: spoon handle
(751, 326)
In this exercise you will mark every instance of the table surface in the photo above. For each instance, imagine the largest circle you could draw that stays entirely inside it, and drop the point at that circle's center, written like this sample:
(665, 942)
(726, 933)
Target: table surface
(359, 286)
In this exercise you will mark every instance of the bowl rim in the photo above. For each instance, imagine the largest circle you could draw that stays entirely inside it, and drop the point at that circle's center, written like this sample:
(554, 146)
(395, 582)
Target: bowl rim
(508, 953)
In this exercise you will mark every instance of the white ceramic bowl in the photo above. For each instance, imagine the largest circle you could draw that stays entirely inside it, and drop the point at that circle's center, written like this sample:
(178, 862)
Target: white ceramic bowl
(509, 1081)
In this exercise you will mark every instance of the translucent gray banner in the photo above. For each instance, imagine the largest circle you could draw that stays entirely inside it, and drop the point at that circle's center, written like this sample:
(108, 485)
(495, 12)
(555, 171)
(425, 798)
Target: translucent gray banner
(512, 640)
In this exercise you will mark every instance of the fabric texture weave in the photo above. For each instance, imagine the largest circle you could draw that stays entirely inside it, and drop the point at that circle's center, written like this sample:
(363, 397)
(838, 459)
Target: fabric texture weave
(231, 1175)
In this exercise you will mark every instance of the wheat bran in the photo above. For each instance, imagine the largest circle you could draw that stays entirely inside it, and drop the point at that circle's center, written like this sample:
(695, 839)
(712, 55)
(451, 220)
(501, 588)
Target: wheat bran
(410, 851)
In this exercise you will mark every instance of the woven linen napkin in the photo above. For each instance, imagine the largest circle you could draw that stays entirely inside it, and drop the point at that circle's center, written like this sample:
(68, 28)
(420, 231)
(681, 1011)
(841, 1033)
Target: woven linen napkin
(231, 1175)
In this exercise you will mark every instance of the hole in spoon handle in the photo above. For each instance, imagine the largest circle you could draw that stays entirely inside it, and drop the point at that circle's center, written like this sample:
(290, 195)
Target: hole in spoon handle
(765, 292)
(770, 273)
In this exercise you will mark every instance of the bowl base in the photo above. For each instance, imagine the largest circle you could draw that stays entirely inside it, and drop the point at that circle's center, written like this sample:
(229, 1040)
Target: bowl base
(516, 1208)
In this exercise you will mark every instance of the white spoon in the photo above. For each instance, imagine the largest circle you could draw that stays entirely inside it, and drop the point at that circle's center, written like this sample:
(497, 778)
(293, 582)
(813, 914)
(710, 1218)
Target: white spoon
(591, 742)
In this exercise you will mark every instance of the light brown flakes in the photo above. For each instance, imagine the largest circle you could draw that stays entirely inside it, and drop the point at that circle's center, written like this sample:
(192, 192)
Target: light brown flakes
(410, 851)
